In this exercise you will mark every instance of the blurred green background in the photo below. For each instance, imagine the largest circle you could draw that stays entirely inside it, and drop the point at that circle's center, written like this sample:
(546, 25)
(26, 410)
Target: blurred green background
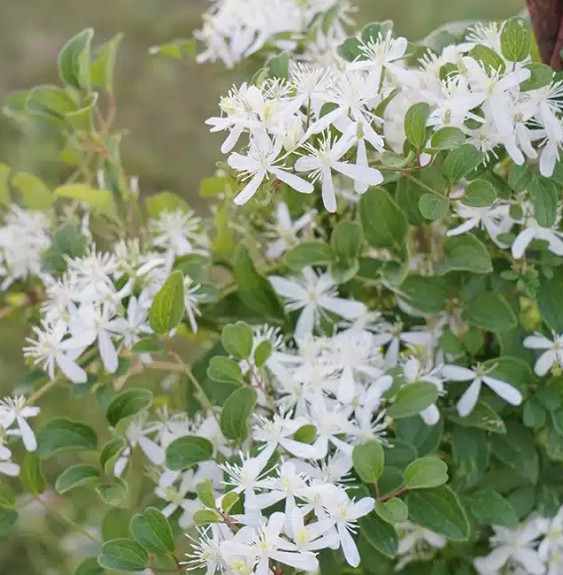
(163, 105)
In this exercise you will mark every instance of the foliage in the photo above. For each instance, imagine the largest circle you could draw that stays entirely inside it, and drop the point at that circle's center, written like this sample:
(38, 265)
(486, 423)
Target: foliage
(379, 374)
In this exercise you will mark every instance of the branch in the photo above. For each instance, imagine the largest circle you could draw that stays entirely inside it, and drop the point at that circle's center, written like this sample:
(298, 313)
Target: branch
(547, 22)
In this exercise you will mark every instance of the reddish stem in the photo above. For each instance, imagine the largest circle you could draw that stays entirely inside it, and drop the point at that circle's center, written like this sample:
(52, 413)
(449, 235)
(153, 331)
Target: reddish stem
(392, 494)
(547, 21)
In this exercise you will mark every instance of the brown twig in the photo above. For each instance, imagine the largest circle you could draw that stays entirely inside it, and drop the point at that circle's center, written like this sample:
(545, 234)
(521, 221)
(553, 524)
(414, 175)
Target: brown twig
(547, 22)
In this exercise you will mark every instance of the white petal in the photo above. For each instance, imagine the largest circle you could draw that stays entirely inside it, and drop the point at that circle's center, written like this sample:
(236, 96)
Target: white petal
(346, 308)
(530, 560)
(508, 392)
(431, 415)
(329, 196)
(71, 369)
(153, 451)
(521, 242)
(544, 363)
(288, 288)
(306, 322)
(107, 352)
(469, 399)
(28, 436)
(293, 181)
(359, 173)
(457, 373)
(349, 548)
(250, 188)
(537, 342)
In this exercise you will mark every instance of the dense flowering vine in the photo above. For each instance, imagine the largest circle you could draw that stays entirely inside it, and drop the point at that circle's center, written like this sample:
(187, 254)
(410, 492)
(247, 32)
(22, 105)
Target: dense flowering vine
(376, 300)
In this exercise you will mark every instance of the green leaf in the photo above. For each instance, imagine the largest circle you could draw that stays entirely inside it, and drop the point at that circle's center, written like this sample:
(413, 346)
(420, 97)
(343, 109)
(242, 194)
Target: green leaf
(206, 517)
(414, 431)
(491, 508)
(309, 254)
(479, 194)
(188, 451)
(103, 66)
(147, 345)
(74, 60)
(111, 452)
(237, 340)
(369, 460)
(204, 490)
(483, 416)
(549, 300)
(447, 138)
(425, 473)
(8, 518)
(101, 200)
(7, 496)
(545, 197)
(76, 476)
(415, 124)
(489, 311)
(236, 412)
(350, 49)
(467, 253)
(432, 207)
(82, 120)
(516, 40)
(428, 294)
(346, 241)
(380, 534)
(384, 224)
(49, 103)
(393, 511)
(31, 475)
(152, 531)
(123, 555)
(89, 566)
(254, 290)
(115, 493)
(440, 511)
(224, 370)
(177, 50)
(59, 434)
(167, 309)
(262, 353)
(35, 194)
(413, 398)
(517, 450)
(229, 500)
(541, 76)
(128, 404)
(460, 161)
(279, 66)
(488, 58)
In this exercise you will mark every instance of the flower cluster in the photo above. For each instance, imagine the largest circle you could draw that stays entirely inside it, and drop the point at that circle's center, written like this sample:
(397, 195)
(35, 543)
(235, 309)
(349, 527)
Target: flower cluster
(103, 298)
(535, 547)
(14, 413)
(337, 120)
(235, 30)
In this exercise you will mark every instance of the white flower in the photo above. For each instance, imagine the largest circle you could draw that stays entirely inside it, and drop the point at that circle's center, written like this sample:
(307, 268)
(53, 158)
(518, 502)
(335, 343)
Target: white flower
(494, 219)
(516, 545)
(479, 376)
(51, 349)
(285, 230)
(533, 231)
(14, 410)
(312, 294)
(325, 158)
(264, 544)
(177, 232)
(257, 164)
(345, 513)
(414, 540)
(98, 324)
(553, 354)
